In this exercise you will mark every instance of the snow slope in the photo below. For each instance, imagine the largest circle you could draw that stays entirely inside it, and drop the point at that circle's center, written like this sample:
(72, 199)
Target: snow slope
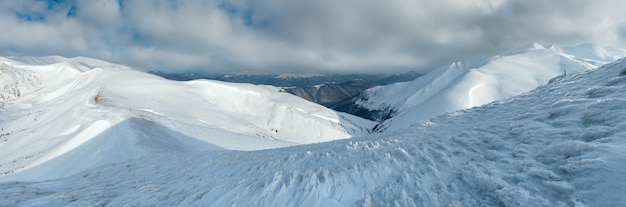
(60, 116)
(464, 85)
(595, 53)
(562, 144)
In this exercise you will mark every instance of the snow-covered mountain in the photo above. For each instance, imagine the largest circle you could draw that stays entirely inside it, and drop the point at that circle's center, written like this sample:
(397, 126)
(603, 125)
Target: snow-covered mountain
(561, 144)
(462, 85)
(60, 116)
(330, 94)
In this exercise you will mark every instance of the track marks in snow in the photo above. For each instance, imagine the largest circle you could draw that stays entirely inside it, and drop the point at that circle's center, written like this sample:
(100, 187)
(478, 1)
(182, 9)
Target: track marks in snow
(470, 95)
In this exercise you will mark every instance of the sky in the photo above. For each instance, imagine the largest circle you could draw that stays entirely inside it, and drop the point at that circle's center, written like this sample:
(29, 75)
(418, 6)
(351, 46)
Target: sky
(321, 36)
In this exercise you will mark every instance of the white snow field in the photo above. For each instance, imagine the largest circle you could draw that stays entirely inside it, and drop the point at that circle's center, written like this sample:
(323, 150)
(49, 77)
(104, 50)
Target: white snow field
(562, 144)
(464, 85)
(60, 116)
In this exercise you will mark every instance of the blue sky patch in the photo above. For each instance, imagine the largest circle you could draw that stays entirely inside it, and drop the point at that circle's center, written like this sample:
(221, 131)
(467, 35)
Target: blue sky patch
(246, 15)
(30, 17)
(71, 12)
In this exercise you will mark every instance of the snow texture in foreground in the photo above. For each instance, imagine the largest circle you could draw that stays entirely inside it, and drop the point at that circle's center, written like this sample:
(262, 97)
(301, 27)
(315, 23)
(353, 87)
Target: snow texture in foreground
(60, 116)
(559, 145)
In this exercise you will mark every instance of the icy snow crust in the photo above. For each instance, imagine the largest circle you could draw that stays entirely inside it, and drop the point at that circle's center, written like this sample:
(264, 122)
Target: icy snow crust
(60, 116)
(463, 85)
(561, 144)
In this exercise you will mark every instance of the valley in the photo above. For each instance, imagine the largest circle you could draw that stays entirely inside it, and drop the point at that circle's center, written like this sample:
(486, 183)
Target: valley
(513, 129)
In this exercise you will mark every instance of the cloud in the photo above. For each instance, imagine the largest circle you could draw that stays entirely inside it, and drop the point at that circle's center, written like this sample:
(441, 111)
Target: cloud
(351, 36)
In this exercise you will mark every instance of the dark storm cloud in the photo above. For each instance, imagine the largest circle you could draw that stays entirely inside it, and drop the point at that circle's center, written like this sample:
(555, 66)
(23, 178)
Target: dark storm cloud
(313, 36)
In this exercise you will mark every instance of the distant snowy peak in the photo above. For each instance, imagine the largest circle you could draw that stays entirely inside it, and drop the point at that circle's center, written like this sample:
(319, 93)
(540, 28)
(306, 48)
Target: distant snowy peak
(595, 52)
(463, 85)
(533, 46)
(585, 51)
(589, 52)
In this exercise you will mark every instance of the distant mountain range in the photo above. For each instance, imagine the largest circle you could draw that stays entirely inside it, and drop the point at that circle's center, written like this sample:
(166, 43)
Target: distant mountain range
(280, 80)
(324, 89)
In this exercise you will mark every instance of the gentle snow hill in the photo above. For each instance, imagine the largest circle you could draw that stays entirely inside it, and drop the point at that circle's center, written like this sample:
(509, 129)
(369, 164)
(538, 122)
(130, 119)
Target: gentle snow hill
(464, 85)
(562, 144)
(80, 63)
(60, 116)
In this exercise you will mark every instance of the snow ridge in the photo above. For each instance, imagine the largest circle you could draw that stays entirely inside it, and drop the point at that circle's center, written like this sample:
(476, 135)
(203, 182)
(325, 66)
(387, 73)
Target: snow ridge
(464, 85)
(53, 113)
(558, 145)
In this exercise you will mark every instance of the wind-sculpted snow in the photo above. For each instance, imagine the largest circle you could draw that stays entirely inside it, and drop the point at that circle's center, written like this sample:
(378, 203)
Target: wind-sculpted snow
(464, 85)
(67, 115)
(559, 145)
